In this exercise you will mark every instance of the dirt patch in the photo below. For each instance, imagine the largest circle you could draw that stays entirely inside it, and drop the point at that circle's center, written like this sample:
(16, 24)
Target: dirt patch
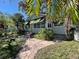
(31, 47)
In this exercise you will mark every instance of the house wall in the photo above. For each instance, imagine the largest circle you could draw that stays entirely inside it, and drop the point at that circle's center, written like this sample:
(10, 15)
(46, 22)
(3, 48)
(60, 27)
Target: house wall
(56, 29)
(59, 29)
(36, 30)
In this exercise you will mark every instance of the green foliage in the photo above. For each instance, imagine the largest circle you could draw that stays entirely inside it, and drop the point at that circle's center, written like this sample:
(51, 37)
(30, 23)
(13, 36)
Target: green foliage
(19, 22)
(64, 50)
(6, 20)
(31, 7)
(45, 34)
(9, 48)
(1, 32)
(55, 8)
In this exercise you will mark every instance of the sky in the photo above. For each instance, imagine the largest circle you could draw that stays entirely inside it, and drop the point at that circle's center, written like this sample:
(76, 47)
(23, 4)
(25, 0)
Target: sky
(10, 7)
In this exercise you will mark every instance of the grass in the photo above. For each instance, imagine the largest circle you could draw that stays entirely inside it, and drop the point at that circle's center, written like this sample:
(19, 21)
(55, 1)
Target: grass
(64, 50)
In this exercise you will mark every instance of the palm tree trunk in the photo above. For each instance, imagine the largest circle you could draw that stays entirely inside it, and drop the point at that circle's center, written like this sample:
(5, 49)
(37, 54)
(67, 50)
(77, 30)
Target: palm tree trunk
(68, 26)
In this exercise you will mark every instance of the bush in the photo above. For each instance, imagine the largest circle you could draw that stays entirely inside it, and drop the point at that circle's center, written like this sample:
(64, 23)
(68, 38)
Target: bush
(45, 34)
(9, 48)
(1, 33)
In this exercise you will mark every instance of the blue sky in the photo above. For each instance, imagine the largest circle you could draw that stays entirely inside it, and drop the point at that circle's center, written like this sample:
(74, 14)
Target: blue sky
(10, 6)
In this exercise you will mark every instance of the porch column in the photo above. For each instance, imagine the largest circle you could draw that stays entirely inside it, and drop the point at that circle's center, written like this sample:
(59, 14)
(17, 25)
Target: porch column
(46, 25)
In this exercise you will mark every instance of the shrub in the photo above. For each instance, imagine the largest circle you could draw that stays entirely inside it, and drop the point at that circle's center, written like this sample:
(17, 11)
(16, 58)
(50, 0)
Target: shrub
(9, 48)
(1, 33)
(45, 34)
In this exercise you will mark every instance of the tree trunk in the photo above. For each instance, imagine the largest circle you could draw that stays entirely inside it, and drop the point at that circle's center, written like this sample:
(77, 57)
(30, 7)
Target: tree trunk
(68, 23)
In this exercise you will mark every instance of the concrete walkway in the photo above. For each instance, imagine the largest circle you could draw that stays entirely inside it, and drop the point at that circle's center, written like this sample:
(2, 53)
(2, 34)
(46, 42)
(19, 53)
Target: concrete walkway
(31, 47)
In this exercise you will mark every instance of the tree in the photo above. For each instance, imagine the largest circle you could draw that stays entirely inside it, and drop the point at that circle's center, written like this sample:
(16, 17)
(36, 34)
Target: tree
(5, 23)
(19, 21)
(68, 9)
(6, 20)
(56, 8)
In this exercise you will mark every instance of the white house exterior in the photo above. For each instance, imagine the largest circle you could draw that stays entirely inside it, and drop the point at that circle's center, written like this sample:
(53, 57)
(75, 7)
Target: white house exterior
(37, 25)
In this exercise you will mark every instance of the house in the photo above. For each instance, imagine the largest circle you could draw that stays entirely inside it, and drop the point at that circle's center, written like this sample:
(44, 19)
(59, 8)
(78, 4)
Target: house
(36, 24)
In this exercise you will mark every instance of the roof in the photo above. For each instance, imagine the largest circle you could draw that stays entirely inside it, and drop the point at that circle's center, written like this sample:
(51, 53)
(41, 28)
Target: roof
(36, 20)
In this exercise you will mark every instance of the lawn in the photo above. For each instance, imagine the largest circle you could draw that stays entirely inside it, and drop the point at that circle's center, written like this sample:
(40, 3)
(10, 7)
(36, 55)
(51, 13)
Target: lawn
(64, 50)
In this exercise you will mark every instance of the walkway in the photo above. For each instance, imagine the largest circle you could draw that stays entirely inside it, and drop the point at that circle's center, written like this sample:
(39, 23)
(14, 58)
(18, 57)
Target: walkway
(31, 47)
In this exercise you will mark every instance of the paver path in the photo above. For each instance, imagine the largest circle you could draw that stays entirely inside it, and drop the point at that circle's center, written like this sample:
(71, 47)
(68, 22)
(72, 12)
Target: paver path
(31, 47)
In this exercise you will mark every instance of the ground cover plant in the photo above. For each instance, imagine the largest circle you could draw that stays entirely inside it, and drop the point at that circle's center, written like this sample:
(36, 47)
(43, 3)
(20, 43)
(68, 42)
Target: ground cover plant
(45, 34)
(64, 50)
(9, 47)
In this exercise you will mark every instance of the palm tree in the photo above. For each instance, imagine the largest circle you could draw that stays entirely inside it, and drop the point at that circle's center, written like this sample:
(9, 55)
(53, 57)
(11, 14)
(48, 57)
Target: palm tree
(68, 9)
(54, 7)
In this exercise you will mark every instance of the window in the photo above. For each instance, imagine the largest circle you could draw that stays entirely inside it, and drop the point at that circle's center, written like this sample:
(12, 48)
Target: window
(37, 25)
(49, 25)
(42, 25)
